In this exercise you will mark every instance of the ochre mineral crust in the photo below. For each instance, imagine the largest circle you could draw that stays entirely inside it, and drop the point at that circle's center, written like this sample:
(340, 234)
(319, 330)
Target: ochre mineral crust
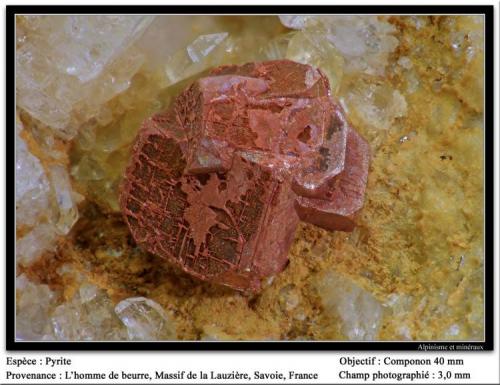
(218, 182)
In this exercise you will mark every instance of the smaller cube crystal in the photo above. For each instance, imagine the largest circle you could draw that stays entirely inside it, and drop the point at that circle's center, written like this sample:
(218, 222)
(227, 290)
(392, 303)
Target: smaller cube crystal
(248, 108)
(312, 180)
(345, 192)
(285, 78)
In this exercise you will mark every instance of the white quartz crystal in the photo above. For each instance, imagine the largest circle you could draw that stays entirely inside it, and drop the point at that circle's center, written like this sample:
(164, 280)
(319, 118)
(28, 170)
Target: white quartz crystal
(89, 316)
(34, 303)
(145, 319)
(295, 21)
(203, 45)
(277, 47)
(45, 202)
(398, 308)
(88, 292)
(67, 212)
(41, 238)
(45, 206)
(311, 47)
(32, 185)
(185, 28)
(358, 310)
(67, 66)
(201, 54)
(376, 103)
(365, 42)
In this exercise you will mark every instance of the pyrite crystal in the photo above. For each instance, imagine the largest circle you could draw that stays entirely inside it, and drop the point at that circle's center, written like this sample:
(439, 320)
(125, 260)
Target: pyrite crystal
(218, 183)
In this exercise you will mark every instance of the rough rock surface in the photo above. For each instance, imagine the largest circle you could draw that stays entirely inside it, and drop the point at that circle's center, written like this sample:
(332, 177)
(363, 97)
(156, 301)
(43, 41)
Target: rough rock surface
(216, 182)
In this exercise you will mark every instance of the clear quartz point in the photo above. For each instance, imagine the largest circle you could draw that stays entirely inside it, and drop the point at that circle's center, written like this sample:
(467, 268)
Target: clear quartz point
(145, 319)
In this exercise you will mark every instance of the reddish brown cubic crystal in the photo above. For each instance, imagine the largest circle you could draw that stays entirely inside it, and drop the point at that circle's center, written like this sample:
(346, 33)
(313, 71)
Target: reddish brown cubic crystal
(246, 108)
(216, 226)
(346, 192)
(216, 184)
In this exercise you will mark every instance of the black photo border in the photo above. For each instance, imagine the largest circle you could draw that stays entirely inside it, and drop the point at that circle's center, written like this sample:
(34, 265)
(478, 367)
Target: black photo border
(433, 346)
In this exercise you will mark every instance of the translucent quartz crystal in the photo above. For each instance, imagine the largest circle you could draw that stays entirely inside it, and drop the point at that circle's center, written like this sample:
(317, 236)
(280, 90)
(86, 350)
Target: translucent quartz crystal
(33, 305)
(468, 41)
(359, 311)
(365, 42)
(44, 139)
(88, 292)
(203, 45)
(214, 45)
(94, 42)
(67, 212)
(42, 237)
(53, 214)
(145, 320)
(67, 66)
(32, 185)
(374, 102)
(45, 202)
(310, 47)
(88, 169)
(89, 316)
(198, 56)
(69, 273)
(295, 21)
(398, 307)
(277, 48)
(185, 28)
(469, 46)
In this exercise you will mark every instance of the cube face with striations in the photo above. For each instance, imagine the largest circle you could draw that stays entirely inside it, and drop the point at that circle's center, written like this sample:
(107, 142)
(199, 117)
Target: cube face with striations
(217, 183)
(216, 226)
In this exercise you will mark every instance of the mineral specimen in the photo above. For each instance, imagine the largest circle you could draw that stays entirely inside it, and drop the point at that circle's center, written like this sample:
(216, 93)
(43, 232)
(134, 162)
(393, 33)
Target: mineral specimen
(88, 316)
(145, 320)
(345, 192)
(67, 66)
(365, 42)
(359, 311)
(217, 183)
(46, 205)
(418, 249)
(33, 306)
